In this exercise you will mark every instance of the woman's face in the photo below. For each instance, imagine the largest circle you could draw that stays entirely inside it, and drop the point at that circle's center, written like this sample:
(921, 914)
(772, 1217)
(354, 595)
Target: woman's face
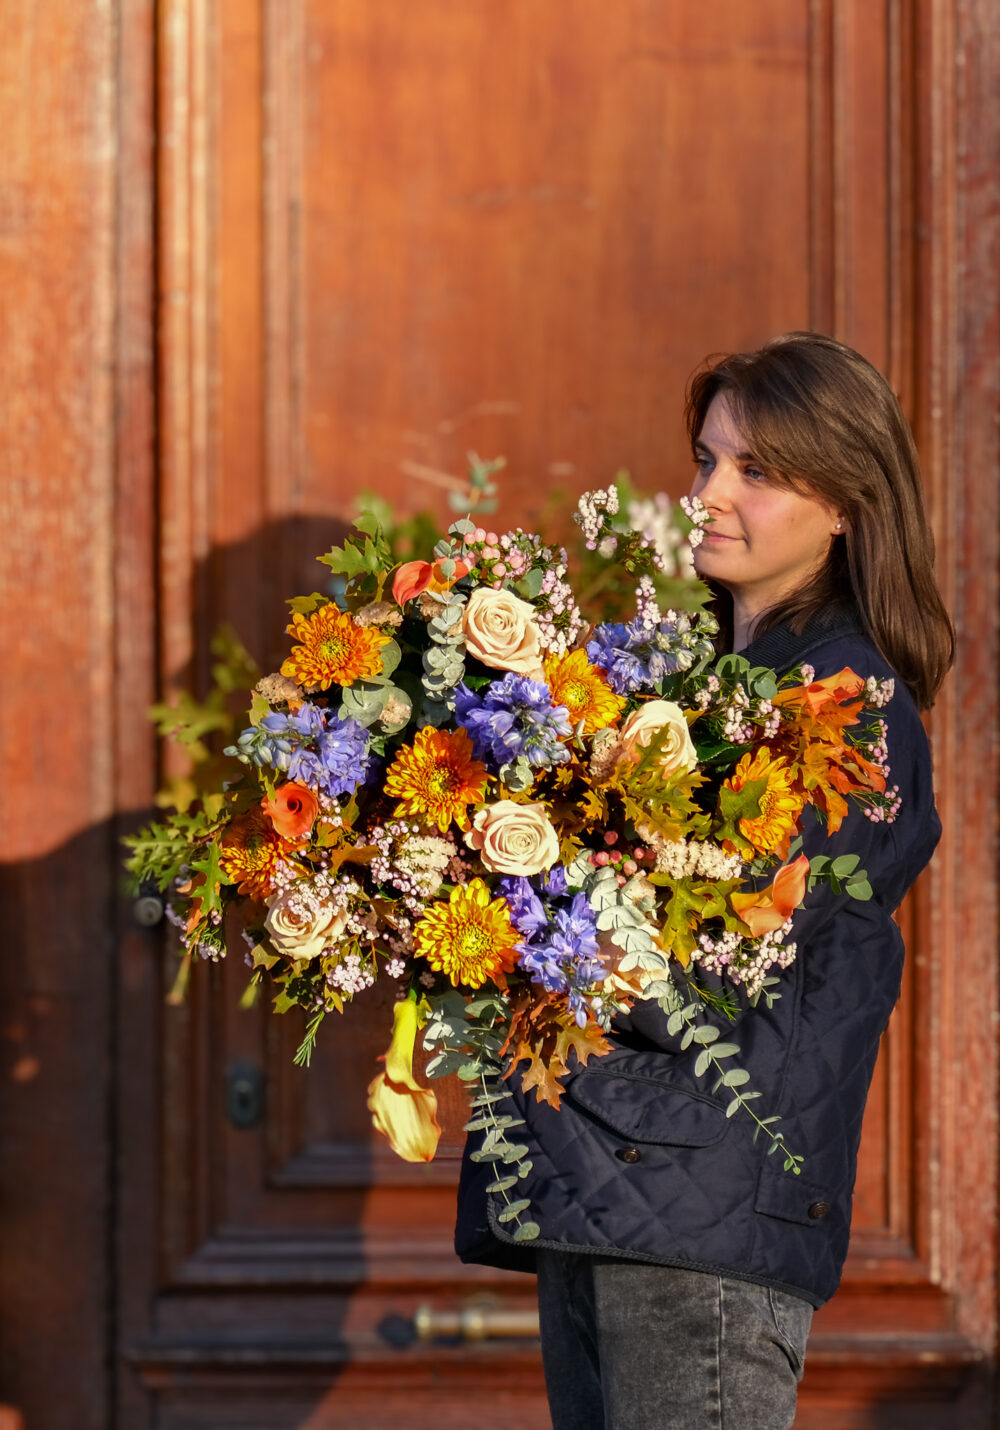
(764, 541)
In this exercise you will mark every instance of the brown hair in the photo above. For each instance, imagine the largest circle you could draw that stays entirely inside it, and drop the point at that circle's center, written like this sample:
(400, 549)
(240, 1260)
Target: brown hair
(819, 417)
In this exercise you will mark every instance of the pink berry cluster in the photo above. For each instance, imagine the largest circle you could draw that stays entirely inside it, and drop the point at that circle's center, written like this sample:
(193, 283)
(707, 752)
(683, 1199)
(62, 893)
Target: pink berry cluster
(625, 862)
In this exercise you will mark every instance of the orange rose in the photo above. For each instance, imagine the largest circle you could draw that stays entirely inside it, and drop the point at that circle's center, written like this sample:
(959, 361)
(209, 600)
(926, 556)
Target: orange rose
(292, 811)
(767, 909)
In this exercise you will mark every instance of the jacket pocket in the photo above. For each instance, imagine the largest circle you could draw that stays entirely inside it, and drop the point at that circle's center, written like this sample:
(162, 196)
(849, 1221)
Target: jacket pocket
(782, 1194)
(645, 1109)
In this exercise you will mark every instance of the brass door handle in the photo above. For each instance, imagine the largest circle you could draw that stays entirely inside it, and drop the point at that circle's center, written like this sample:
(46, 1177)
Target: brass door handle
(478, 1319)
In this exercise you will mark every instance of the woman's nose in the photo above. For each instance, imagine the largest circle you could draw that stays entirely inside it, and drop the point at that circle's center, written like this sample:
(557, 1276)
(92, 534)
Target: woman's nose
(715, 487)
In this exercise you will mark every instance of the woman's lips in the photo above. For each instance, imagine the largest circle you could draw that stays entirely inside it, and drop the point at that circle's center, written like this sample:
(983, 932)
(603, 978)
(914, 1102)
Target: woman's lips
(711, 536)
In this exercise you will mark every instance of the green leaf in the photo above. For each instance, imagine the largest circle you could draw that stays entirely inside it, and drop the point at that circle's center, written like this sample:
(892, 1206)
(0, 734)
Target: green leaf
(527, 1231)
(391, 656)
(845, 864)
(502, 1184)
(705, 1034)
(733, 667)
(364, 701)
(514, 1210)
(305, 605)
(859, 889)
(530, 584)
(703, 1062)
(513, 1152)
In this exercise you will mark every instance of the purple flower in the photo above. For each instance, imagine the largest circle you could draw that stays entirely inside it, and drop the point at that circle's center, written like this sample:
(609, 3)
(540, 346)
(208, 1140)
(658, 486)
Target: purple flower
(316, 747)
(511, 718)
(527, 912)
(560, 949)
(633, 655)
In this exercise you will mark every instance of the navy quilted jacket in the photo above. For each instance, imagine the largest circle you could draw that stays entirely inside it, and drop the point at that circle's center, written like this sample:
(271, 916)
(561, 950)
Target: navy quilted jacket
(641, 1162)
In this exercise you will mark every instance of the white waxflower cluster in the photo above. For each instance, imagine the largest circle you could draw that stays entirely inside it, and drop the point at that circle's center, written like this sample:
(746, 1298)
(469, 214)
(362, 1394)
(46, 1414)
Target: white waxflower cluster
(680, 858)
(878, 693)
(647, 611)
(695, 510)
(746, 964)
(653, 517)
(557, 616)
(350, 976)
(737, 727)
(591, 510)
(771, 719)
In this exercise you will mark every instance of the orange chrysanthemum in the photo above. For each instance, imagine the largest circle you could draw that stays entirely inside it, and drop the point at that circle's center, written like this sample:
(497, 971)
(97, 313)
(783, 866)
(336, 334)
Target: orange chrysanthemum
(436, 778)
(584, 690)
(470, 938)
(769, 832)
(250, 852)
(332, 649)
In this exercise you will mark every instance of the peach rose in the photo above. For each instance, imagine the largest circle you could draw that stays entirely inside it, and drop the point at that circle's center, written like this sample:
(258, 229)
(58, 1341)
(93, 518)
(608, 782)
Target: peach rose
(649, 720)
(299, 931)
(500, 631)
(514, 838)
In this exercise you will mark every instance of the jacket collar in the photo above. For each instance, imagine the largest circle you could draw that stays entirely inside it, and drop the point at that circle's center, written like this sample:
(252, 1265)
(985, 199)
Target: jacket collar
(781, 648)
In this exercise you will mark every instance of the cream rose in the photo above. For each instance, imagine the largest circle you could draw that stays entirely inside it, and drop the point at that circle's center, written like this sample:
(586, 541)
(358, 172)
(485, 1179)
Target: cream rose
(514, 838)
(656, 715)
(300, 930)
(500, 631)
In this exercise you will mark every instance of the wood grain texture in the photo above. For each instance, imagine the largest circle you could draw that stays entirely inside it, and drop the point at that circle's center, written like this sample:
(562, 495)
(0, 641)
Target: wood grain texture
(57, 652)
(375, 197)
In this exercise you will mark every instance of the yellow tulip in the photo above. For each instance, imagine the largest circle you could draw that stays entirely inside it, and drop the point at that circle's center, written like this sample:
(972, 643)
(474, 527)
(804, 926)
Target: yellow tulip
(401, 1109)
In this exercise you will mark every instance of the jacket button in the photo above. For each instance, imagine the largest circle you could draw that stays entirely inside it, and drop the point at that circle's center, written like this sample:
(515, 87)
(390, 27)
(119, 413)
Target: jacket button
(629, 1154)
(818, 1210)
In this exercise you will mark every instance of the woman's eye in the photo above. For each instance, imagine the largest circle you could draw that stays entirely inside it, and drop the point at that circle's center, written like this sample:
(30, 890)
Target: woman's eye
(703, 463)
(754, 473)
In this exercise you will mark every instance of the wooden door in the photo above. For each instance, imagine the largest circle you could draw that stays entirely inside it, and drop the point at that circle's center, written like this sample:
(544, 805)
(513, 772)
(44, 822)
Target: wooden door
(386, 235)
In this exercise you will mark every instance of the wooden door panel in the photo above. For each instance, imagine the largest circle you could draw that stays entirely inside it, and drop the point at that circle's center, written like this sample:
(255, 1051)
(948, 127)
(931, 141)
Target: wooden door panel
(390, 235)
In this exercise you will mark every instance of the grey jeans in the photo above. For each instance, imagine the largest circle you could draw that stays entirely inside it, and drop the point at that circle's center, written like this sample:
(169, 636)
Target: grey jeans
(630, 1346)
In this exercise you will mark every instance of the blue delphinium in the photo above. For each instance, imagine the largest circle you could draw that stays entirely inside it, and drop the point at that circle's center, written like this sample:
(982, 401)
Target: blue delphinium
(560, 948)
(514, 718)
(316, 747)
(635, 656)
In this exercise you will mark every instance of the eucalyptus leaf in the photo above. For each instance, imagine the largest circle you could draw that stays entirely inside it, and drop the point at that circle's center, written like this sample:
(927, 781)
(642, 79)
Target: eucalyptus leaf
(527, 1231)
(514, 1210)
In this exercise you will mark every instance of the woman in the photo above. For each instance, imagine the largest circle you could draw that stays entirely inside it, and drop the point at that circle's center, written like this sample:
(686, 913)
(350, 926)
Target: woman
(678, 1263)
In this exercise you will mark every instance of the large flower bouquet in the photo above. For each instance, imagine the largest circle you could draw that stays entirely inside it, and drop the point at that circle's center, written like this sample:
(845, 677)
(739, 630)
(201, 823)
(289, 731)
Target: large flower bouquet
(528, 822)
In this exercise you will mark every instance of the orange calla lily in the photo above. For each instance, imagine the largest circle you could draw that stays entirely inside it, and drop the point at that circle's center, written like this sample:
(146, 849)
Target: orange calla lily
(401, 1109)
(767, 909)
(845, 685)
(292, 811)
(416, 576)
